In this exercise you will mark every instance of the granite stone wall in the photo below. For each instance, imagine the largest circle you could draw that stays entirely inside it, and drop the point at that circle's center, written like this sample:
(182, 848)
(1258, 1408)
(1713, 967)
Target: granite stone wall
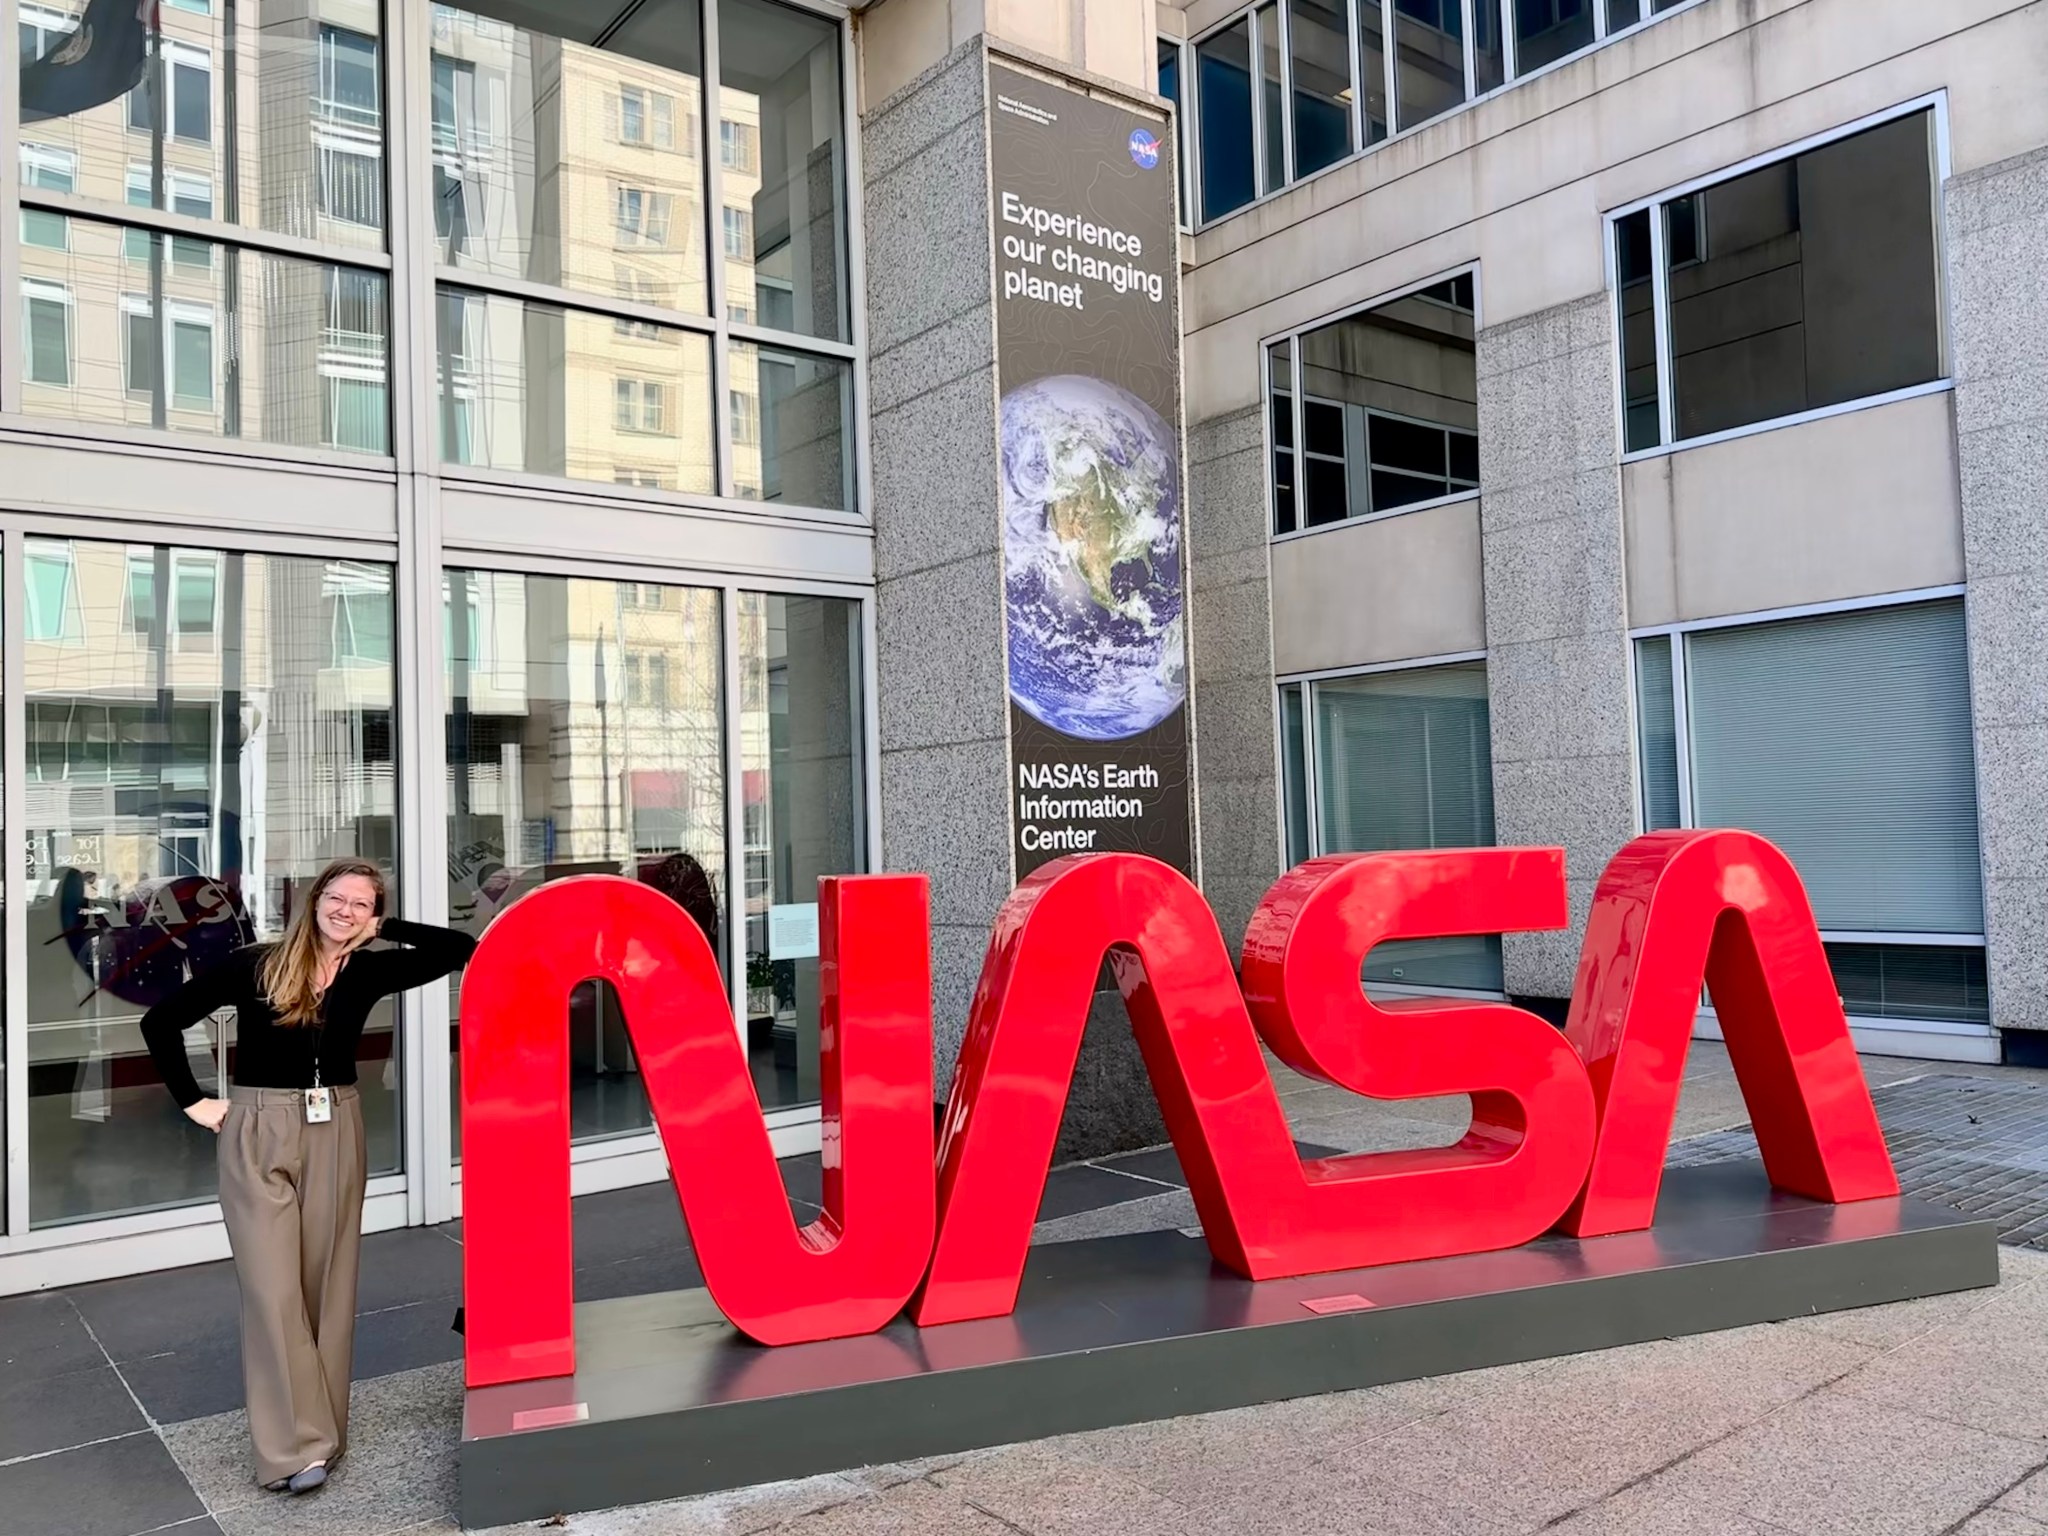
(1998, 274)
(1556, 610)
(939, 615)
(939, 623)
(1231, 629)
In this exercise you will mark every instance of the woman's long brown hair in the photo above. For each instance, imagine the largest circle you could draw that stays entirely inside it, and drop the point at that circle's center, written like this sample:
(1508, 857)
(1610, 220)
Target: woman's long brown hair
(290, 973)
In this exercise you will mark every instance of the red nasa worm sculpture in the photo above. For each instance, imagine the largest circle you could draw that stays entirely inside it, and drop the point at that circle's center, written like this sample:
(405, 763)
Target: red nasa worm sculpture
(1567, 1129)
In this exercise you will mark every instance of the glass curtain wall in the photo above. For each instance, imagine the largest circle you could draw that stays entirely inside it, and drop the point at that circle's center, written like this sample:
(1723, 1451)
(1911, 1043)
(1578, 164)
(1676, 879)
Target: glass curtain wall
(585, 735)
(635, 281)
(204, 731)
(256, 121)
(1284, 90)
(803, 807)
(662, 219)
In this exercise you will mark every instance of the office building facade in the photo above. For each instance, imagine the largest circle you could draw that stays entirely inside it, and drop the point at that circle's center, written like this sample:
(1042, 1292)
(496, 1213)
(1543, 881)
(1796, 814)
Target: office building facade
(508, 442)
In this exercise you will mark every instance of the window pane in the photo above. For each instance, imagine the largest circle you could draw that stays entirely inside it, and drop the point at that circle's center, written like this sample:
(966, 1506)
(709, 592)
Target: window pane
(179, 799)
(521, 387)
(41, 227)
(1812, 283)
(1633, 275)
(1372, 72)
(1846, 741)
(1489, 53)
(1294, 764)
(1325, 492)
(192, 364)
(1404, 761)
(46, 322)
(1547, 30)
(779, 85)
(177, 371)
(799, 410)
(1275, 170)
(558, 765)
(1429, 58)
(1409, 446)
(1280, 418)
(1391, 492)
(528, 183)
(291, 107)
(804, 799)
(1388, 391)
(1912, 983)
(1626, 13)
(1169, 87)
(1223, 76)
(1321, 39)
(1657, 734)
(1323, 427)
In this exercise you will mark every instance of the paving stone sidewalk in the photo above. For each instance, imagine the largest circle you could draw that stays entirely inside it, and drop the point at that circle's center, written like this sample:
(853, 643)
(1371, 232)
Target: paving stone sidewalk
(1924, 1419)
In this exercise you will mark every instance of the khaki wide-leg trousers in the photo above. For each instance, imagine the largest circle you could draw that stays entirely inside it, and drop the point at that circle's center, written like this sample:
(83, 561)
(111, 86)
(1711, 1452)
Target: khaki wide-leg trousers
(293, 1197)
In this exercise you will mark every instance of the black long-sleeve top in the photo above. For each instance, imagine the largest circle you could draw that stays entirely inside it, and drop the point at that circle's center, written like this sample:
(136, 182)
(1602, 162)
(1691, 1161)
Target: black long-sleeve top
(269, 1055)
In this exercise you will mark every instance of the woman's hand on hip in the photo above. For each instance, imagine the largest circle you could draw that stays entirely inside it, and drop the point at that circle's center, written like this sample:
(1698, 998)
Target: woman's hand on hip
(209, 1113)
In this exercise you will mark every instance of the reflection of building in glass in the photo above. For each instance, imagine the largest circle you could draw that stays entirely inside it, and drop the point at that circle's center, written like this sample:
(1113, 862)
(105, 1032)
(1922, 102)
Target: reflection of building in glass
(585, 728)
(253, 114)
(204, 730)
(579, 169)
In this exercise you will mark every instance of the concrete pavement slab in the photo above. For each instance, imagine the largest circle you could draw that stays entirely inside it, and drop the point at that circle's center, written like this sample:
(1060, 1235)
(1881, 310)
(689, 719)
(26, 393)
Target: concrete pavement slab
(1342, 1498)
(1559, 1441)
(400, 1470)
(1997, 1522)
(2029, 1498)
(741, 1511)
(1985, 1369)
(1655, 1509)
(1836, 1465)
(53, 1413)
(116, 1488)
(1191, 1460)
(1038, 1489)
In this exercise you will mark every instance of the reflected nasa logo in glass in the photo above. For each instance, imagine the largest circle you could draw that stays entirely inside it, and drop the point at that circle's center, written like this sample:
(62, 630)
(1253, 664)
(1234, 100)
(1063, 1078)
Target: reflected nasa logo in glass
(1144, 148)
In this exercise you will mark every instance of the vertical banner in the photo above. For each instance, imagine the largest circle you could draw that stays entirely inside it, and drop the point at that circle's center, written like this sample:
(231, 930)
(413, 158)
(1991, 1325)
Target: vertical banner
(1088, 364)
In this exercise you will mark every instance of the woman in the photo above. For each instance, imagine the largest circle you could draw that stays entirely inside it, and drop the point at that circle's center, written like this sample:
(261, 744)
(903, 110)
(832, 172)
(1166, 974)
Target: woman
(292, 1162)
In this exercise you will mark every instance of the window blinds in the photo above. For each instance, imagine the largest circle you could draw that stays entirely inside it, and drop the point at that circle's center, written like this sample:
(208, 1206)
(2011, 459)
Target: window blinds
(1846, 740)
(1404, 760)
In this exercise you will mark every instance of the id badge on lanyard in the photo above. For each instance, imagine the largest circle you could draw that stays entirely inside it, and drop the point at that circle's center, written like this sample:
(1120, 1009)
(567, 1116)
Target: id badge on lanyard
(319, 1101)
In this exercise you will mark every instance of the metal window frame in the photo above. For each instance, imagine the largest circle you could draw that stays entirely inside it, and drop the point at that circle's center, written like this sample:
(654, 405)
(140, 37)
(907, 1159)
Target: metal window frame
(1297, 379)
(1311, 744)
(1503, 12)
(429, 1187)
(1656, 206)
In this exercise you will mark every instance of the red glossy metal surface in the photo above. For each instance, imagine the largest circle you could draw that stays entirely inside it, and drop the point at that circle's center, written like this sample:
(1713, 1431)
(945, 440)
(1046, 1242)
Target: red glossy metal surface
(1519, 1166)
(1265, 1213)
(1678, 908)
(846, 1273)
(1017, 1062)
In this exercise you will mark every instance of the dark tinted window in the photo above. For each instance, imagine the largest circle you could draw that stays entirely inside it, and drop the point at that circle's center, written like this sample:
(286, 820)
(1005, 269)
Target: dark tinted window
(1807, 283)
(1223, 76)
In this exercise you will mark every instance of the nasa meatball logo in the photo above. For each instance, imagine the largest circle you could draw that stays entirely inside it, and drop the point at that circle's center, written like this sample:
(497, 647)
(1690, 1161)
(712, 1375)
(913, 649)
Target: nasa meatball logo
(1144, 148)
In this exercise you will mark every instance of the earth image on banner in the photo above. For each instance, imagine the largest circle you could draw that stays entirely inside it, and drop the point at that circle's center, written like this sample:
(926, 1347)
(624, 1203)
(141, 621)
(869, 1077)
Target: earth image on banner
(1091, 542)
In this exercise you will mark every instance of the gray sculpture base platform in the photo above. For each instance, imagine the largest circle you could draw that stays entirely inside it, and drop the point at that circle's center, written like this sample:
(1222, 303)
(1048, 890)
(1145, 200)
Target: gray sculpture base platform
(668, 1400)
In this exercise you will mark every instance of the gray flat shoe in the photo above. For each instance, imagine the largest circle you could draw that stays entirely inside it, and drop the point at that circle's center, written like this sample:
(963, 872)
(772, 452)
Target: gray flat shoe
(308, 1480)
(279, 1486)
